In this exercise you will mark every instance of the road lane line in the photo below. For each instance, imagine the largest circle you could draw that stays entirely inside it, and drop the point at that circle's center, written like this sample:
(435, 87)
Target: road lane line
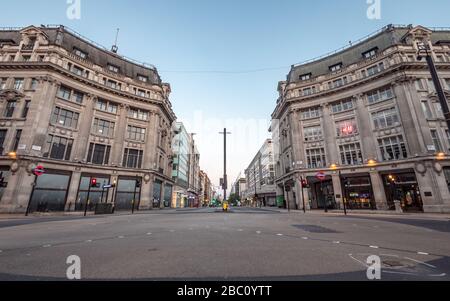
(423, 253)
(258, 232)
(46, 246)
(89, 240)
(374, 247)
(421, 262)
(336, 242)
(305, 238)
(149, 233)
(279, 234)
(120, 237)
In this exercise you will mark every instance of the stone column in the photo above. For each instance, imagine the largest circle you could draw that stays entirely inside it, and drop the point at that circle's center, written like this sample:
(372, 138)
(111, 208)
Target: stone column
(151, 142)
(329, 129)
(73, 191)
(337, 187)
(120, 130)
(84, 131)
(415, 141)
(364, 119)
(17, 195)
(378, 190)
(296, 137)
(146, 195)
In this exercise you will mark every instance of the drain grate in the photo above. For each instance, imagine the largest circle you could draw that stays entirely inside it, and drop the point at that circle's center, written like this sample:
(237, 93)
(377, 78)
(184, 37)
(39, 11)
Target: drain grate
(315, 229)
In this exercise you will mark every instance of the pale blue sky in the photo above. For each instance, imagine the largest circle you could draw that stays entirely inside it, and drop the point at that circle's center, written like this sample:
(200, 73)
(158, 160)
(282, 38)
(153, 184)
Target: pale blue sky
(186, 39)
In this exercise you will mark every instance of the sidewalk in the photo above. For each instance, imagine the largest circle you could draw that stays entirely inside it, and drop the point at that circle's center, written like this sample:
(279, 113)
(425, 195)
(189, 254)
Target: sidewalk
(372, 213)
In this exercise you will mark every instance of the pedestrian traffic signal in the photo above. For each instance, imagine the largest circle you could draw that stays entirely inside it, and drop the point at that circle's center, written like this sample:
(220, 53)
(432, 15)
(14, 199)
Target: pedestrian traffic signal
(93, 182)
(304, 183)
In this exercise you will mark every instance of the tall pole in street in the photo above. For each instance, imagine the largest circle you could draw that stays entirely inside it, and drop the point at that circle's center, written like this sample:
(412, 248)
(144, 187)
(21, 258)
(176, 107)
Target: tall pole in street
(424, 50)
(225, 180)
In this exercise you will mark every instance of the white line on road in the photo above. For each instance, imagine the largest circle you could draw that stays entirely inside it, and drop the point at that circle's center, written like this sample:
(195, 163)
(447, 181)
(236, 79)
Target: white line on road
(421, 262)
(46, 246)
(423, 253)
(305, 238)
(240, 230)
(149, 233)
(279, 234)
(89, 240)
(258, 232)
(336, 242)
(121, 237)
(374, 247)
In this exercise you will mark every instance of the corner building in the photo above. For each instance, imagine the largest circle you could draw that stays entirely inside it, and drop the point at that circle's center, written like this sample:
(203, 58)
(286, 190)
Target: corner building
(369, 119)
(82, 112)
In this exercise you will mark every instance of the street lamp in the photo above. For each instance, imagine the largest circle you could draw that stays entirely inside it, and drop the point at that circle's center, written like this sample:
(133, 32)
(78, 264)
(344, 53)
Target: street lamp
(440, 156)
(12, 155)
(425, 51)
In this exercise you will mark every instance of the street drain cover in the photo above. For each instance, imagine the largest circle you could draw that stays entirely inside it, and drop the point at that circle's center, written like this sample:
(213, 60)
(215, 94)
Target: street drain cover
(315, 229)
(393, 264)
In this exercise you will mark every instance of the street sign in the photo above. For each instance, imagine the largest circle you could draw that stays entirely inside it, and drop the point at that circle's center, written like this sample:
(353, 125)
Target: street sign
(39, 170)
(321, 176)
(107, 186)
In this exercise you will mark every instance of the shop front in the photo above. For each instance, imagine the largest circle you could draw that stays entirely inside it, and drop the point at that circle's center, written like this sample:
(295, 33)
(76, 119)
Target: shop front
(50, 192)
(403, 187)
(157, 189)
(167, 195)
(5, 173)
(96, 194)
(128, 193)
(321, 193)
(357, 191)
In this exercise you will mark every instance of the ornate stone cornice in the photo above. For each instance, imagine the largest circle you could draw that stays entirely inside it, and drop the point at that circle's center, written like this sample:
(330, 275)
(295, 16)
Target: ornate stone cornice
(11, 94)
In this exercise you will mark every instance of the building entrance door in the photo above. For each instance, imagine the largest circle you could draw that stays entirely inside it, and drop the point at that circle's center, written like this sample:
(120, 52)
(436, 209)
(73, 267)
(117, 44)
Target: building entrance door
(404, 188)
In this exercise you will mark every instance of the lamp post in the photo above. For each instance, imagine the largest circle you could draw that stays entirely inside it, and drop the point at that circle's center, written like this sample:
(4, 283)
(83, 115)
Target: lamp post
(425, 51)
(225, 180)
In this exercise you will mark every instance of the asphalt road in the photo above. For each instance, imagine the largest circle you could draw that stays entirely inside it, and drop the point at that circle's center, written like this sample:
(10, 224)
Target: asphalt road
(245, 244)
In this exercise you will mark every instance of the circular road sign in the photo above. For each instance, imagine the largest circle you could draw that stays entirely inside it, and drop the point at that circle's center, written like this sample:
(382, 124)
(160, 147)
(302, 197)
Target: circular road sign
(321, 176)
(39, 170)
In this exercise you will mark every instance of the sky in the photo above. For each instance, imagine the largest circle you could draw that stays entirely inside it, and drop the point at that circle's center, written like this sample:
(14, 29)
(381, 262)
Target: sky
(224, 58)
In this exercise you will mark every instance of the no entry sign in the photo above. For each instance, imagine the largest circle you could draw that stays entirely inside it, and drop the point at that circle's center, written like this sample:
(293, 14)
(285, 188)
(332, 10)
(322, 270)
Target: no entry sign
(321, 176)
(39, 170)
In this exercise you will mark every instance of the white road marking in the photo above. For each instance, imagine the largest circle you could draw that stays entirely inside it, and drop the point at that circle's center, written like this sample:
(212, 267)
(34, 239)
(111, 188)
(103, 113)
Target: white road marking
(441, 275)
(423, 253)
(240, 230)
(279, 234)
(305, 238)
(401, 273)
(421, 262)
(149, 233)
(121, 237)
(89, 240)
(258, 232)
(46, 246)
(172, 231)
(336, 242)
(374, 247)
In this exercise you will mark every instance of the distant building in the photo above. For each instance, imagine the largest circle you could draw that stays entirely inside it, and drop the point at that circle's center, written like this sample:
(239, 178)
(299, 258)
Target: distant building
(260, 176)
(239, 187)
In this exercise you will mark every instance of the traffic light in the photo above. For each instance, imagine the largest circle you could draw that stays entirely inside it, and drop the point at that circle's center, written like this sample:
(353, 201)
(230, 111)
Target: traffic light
(138, 183)
(304, 183)
(93, 183)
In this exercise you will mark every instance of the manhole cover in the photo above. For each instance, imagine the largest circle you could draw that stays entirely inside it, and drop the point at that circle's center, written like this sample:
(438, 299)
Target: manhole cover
(393, 264)
(315, 229)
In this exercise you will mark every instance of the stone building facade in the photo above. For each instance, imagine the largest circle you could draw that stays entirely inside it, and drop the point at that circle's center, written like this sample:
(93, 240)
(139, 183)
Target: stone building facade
(364, 125)
(82, 112)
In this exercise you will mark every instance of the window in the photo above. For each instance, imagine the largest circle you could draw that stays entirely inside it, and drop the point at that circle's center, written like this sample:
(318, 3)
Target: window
(80, 53)
(26, 108)
(447, 135)
(65, 118)
(371, 53)
(98, 154)
(337, 83)
(420, 85)
(440, 59)
(380, 95)
(346, 128)
(113, 68)
(78, 97)
(375, 69)
(103, 127)
(106, 106)
(311, 113)
(10, 107)
(3, 83)
(447, 81)
(132, 158)
(392, 148)
(77, 70)
(2, 140)
(136, 133)
(426, 109)
(308, 91)
(342, 106)
(431, 85)
(112, 84)
(142, 78)
(436, 140)
(64, 93)
(438, 109)
(336, 67)
(312, 133)
(26, 58)
(305, 77)
(351, 154)
(17, 140)
(34, 84)
(138, 114)
(385, 119)
(59, 148)
(316, 158)
(18, 83)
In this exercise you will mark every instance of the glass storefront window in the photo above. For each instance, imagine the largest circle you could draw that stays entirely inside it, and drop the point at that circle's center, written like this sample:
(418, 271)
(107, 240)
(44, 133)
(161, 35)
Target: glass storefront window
(95, 194)
(157, 188)
(50, 192)
(5, 173)
(125, 194)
